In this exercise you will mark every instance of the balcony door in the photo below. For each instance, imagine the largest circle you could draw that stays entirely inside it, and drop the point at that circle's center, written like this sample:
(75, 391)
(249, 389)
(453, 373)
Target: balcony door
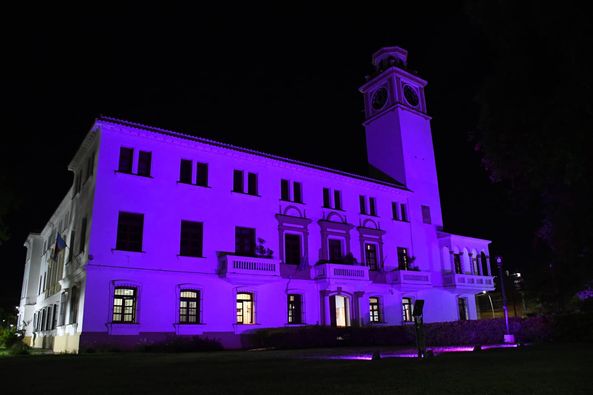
(335, 250)
(244, 241)
(370, 255)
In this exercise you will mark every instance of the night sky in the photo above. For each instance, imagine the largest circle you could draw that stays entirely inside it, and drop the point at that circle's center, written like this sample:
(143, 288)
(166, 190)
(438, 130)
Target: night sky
(286, 85)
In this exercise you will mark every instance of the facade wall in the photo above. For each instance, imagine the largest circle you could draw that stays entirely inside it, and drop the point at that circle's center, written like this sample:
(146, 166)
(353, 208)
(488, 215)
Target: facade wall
(400, 146)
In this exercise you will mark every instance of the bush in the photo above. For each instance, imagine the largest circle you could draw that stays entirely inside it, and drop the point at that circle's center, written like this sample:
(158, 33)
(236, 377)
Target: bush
(18, 348)
(184, 344)
(9, 336)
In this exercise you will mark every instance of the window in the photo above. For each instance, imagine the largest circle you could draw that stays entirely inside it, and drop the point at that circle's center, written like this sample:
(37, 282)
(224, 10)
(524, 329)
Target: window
(370, 254)
(252, 183)
(89, 166)
(189, 307)
(245, 308)
(335, 250)
(285, 190)
(372, 206)
(395, 211)
(337, 200)
(191, 239)
(426, 214)
(297, 192)
(129, 232)
(54, 319)
(294, 309)
(74, 298)
(403, 261)
(238, 181)
(126, 158)
(144, 161)
(124, 305)
(326, 198)
(327, 195)
(71, 246)
(82, 240)
(244, 241)
(457, 263)
(78, 182)
(292, 249)
(374, 310)
(407, 309)
(186, 176)
(63, 304)
(202, 174)
(185, 171)
(399, 212)
(363, 205)
(463, 313)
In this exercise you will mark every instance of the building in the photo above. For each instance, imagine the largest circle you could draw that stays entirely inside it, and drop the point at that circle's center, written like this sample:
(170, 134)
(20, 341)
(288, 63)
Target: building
(166, 234)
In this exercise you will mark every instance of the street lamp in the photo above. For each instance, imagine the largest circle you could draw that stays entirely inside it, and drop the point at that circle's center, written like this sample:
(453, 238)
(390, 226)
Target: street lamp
(508, 338)
(490, 299)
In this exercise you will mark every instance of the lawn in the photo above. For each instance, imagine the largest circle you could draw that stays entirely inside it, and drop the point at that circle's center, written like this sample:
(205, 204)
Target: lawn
(554, 369)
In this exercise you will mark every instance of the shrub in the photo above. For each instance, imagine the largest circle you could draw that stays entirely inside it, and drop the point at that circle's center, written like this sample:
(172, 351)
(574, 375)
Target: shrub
(573, 327)
(184, 344)
(18, 348)
(9, 336)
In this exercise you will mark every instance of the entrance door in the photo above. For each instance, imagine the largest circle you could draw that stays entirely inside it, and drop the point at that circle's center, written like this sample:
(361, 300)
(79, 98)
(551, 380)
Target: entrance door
(340, 309)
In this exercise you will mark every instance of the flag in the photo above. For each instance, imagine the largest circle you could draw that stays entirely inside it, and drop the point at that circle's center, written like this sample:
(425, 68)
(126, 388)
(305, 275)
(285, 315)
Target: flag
(60, 245)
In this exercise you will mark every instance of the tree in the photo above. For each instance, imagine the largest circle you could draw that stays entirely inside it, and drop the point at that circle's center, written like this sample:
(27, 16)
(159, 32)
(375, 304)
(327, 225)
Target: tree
(535, 131)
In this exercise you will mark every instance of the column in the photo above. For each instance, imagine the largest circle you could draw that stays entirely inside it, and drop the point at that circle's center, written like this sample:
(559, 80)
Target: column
(488, 265)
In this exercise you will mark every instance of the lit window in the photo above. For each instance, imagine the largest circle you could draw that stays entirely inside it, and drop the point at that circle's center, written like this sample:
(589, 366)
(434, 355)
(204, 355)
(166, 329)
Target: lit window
(407, 309)
(370, 254)
(245, 308)
(189, 307)
(294, 309)
(403, 260)
(374, 310)
(124, 305)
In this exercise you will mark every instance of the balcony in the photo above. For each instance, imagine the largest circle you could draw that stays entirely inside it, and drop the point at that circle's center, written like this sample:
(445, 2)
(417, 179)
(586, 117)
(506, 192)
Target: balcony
(336, 271)
(409, 277)
(251, 269)
(469, 281)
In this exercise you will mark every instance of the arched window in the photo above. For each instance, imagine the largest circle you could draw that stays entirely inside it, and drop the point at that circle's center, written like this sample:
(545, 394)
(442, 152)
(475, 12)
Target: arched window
(245, 308)
(484, 263)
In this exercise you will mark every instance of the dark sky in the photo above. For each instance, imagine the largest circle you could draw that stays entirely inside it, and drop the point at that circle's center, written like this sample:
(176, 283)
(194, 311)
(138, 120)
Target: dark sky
(286, 85)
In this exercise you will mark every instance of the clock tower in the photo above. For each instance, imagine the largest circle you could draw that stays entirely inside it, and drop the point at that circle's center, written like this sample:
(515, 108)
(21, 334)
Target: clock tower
(398, 135)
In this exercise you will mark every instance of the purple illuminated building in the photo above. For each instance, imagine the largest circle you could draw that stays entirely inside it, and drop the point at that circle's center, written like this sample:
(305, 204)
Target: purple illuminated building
(165, 234)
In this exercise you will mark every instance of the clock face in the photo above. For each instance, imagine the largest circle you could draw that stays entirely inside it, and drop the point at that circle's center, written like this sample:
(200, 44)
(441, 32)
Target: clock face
(379, 98)
(411, 96)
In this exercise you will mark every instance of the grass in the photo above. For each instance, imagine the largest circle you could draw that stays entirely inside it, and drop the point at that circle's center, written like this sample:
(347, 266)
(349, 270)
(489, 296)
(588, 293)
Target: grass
(546, 369)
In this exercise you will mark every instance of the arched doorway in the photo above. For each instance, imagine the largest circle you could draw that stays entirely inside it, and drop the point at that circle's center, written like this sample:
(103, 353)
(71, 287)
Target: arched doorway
(340, 310)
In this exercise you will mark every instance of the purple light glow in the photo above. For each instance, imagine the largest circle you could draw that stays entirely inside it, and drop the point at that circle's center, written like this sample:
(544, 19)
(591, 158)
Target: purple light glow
(407, 354)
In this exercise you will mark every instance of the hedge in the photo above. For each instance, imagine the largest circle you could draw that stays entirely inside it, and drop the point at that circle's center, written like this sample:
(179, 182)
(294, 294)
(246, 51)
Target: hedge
(570, 327)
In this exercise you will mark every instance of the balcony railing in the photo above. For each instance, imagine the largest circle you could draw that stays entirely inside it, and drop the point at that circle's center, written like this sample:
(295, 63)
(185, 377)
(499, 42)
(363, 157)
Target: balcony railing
(482, 283)
(409, 277)
(336, 271)
(252, 266)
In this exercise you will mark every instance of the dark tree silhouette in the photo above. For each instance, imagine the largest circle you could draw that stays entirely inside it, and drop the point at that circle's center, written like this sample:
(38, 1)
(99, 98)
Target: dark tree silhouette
(535, 133)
